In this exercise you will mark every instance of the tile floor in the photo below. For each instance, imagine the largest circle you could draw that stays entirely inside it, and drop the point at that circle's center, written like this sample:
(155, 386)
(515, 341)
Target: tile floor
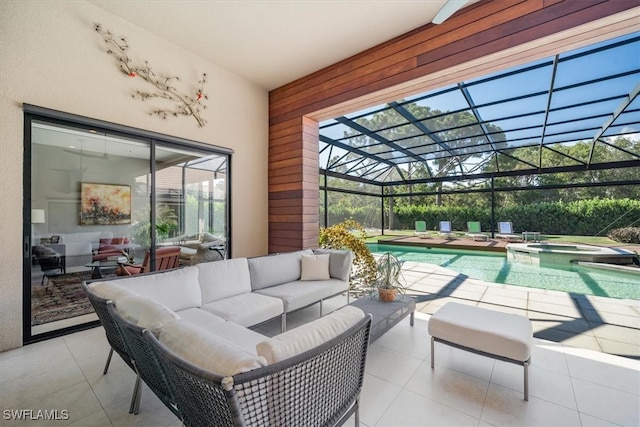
(570, 384)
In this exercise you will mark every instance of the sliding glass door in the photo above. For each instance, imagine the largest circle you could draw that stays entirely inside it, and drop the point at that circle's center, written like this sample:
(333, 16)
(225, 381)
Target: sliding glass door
(103, 201)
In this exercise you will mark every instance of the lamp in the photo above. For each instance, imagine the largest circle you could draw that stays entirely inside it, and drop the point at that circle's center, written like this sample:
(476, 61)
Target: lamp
(449, 8)
(37, 216)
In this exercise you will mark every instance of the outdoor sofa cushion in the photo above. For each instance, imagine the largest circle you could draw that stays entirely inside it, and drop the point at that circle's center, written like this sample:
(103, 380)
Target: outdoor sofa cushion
(145, 312)
(300, 294)
(247, 309)
(177, 289)
(207, 351)
(340, 262)
(273, 270)
(224, 279)
(309, 335)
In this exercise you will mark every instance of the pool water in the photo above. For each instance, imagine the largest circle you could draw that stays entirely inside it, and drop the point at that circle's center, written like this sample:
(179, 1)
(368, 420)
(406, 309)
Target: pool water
(494, 267)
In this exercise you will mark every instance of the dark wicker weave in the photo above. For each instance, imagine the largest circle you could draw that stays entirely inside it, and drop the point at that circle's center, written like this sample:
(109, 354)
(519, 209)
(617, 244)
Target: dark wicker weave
(145, 361)
(320, 387)
(110, 328)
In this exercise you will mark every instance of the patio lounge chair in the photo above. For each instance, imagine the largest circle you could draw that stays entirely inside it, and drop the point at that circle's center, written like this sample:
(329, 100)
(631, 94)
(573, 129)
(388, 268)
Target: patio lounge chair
(474, 231)
(445, 229)
(421, 230)
(505, 231)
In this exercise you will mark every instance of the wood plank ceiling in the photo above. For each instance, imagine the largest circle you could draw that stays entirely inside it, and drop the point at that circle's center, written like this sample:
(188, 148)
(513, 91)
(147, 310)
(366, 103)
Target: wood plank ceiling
(480, 30)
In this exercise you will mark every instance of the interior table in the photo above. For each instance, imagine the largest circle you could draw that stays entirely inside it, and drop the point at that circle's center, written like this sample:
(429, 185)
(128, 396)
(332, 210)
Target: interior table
(386, 314)
(98, 267)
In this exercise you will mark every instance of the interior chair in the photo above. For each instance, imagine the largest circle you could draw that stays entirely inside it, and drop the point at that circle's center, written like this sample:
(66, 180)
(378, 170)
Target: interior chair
(166, 257)
(475, 231)
(106, 248)
(421, 229)
(505, 231)
(51, 263)
(445, 229)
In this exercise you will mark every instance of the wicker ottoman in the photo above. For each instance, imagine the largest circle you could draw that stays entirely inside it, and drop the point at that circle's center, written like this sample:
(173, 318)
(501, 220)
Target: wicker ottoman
(502, 336)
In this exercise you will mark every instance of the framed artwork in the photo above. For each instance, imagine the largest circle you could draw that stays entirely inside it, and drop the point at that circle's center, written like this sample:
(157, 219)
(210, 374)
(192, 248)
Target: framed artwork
(55, 239)
(105, 204)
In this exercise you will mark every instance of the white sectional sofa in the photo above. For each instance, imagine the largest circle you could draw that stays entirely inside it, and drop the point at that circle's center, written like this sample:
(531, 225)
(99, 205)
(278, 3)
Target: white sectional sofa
(244, 291)
(203, 313)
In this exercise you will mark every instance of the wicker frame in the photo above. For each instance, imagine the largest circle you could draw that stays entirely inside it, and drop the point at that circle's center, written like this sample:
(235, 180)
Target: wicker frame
(110, 328)
(145, 361)
(320, 387)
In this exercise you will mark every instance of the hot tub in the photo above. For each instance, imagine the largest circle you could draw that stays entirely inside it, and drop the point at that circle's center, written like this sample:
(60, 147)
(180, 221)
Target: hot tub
(565, 254)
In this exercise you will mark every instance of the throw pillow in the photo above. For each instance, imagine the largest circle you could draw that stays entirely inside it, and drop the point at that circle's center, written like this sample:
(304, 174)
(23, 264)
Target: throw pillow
(315, 267)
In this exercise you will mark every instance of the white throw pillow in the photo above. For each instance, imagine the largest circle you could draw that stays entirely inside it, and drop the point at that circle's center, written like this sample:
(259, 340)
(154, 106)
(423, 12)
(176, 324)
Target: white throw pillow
(207, 351)
(310, 335)
(144, 312)
(315, 267)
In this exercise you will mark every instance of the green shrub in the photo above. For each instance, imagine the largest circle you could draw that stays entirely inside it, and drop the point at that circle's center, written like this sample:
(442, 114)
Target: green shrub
(625, 235)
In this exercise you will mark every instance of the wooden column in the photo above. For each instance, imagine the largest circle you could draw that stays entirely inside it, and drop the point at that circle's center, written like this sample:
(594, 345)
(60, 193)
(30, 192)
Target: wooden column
(293, 185)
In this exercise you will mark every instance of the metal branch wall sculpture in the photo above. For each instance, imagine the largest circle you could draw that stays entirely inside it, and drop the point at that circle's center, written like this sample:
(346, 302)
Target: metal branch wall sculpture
(186, 104)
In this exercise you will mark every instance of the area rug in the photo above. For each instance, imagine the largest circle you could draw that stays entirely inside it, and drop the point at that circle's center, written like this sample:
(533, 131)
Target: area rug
(62, 298)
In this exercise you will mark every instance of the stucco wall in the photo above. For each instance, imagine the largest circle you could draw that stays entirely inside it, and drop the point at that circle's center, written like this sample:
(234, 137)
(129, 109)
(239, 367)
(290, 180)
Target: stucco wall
(51, 57)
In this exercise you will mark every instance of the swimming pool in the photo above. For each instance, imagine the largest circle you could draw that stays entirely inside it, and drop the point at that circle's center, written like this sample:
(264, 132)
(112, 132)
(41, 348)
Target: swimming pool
(493, 267)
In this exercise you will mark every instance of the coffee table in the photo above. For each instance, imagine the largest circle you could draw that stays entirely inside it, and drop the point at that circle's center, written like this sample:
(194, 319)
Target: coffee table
(98, 267)
(386, 314)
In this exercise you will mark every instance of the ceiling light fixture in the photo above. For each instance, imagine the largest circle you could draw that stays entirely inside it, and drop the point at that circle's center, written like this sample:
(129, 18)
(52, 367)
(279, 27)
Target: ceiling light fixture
(449, 8)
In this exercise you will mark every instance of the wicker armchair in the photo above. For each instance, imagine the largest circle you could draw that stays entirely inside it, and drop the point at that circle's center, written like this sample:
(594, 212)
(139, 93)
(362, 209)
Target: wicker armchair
(113, 336)
(145, 362)
(320, 387)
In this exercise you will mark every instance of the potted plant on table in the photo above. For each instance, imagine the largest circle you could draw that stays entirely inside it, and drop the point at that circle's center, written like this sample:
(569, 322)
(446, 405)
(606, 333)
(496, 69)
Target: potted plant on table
(388, 280)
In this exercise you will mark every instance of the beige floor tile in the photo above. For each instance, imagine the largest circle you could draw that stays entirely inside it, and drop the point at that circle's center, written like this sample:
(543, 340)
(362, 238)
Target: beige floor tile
(559, 309)
(506, 407)
(411, 341)
(506, 301)
(376, 396)
(543, 384)
(411, 410)
(606, 403)
(77, 401)
(97, 419)
(390, 365)
(451, 388)
(604, 369)
(462, 361)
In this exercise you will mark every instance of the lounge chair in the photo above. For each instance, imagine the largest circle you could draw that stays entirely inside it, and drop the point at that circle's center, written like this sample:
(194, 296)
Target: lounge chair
(421, 230)
(474, 231)
(167, 258)
(445, 229)
(505, 231)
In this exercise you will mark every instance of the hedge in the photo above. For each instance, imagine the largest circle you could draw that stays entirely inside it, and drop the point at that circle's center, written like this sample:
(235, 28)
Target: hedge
(580, 218)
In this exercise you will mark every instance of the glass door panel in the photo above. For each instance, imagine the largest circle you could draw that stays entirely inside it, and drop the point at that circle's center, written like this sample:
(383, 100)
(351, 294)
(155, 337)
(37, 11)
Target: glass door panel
(84, 202)
(191, 203)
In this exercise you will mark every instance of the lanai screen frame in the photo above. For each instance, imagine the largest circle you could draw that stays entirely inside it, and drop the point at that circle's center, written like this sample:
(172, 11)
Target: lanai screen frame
(372, 150)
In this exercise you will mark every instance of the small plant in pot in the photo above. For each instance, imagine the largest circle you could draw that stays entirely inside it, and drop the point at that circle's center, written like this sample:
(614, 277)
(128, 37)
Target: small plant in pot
(388, 280)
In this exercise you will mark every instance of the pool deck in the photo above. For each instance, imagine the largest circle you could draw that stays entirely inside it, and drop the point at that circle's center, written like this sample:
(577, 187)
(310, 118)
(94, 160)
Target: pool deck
(608, 325)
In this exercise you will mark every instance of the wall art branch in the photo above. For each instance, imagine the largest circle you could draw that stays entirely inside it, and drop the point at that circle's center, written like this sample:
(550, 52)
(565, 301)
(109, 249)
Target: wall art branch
(189, 104)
